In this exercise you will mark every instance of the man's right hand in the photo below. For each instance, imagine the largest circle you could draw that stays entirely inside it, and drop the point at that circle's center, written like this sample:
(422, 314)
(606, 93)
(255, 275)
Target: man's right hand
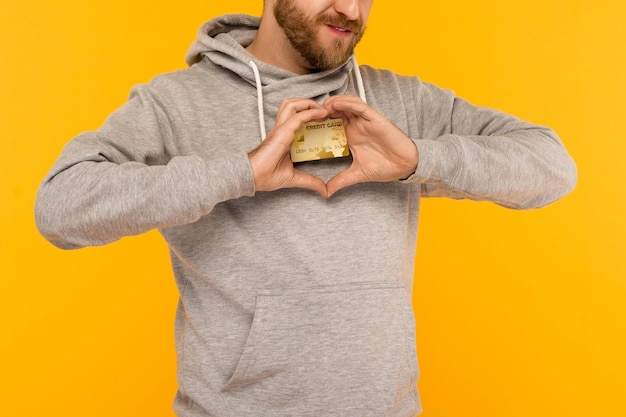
(271, 163)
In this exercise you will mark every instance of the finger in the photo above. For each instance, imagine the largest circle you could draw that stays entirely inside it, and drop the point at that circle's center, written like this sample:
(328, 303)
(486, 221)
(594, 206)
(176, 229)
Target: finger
(298, 102)
(289, 107)
(292, 118)
(333, 100)
(309, 182)
(282, 135)
(344, 179)
(293, 123)
(353, 106)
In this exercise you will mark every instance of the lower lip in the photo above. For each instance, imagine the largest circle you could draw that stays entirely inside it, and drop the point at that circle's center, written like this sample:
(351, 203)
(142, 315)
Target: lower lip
(337, 32)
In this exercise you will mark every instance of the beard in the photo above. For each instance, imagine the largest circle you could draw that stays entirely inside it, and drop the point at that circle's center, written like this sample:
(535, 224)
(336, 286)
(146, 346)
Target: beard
(302, 33)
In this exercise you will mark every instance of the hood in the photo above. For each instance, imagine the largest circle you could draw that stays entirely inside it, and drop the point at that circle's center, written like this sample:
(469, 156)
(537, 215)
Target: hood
(223, 41)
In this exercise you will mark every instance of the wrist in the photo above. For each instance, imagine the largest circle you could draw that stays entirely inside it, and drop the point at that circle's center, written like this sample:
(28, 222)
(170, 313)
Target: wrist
(412, 161)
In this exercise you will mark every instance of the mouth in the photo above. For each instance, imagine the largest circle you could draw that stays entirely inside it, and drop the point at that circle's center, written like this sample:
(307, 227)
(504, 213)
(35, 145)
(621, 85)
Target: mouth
(339, 30)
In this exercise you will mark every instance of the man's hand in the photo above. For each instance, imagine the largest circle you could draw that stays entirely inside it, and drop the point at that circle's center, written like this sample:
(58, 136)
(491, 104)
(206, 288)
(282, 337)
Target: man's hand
(381, 152)
(271, 163)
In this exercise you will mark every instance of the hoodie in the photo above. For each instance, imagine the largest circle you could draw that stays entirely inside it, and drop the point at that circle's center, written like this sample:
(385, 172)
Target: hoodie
(290, 304)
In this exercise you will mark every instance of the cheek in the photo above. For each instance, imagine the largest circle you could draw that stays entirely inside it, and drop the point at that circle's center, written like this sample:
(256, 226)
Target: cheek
(366, 7)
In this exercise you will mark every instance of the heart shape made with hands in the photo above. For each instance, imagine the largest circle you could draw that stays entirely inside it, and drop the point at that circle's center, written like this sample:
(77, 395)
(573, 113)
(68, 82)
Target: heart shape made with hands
(381, 152)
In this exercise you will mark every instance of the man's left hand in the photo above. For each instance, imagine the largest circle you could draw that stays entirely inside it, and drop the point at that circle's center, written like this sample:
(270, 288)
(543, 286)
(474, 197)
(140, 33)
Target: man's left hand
(380, 151)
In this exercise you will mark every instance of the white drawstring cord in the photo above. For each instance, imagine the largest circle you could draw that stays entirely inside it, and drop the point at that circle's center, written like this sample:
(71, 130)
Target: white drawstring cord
(259, 96)
(259, 91)
(359, 79)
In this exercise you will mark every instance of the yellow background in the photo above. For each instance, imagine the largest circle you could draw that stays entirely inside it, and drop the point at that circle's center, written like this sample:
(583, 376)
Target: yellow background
(518, 313)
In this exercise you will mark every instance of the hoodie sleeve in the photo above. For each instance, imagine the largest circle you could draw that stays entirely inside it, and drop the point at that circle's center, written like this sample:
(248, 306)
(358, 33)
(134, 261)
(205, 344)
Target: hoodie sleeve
(481, 154)
(129, 177)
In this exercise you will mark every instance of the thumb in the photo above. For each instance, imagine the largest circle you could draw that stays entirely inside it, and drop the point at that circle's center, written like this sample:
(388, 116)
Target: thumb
(309, 182)
(344, 179)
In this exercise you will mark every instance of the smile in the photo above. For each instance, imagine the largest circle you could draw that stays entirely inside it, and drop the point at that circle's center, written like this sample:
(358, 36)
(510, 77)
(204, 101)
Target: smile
(339, 29)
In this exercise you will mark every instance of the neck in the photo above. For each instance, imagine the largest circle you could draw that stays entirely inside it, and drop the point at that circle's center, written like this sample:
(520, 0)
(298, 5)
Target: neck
(272, 47)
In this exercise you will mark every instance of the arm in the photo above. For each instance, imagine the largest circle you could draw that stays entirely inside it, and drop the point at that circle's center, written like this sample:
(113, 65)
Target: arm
(486, 155)
(474, 153)
(123, 180)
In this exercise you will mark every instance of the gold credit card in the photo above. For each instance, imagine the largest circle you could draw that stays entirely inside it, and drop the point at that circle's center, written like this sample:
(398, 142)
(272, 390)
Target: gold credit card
(320, 140)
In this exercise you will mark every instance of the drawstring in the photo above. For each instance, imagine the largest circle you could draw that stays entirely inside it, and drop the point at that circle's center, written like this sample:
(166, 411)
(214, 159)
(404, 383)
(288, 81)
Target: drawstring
(359, 79)
(259, 97)
(259, 91)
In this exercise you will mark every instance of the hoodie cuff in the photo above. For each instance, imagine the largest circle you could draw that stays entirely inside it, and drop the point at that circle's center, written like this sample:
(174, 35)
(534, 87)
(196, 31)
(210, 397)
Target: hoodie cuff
(438, 161)
(227, 179)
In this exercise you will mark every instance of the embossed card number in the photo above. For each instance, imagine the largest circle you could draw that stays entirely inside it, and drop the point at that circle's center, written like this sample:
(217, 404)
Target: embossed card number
(320, 140)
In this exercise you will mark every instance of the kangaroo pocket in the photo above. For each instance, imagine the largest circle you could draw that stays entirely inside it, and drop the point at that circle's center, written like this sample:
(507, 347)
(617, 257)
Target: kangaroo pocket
(344, 350)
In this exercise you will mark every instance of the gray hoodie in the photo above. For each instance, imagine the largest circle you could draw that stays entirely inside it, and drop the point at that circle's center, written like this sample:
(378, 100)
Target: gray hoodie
(290, 304)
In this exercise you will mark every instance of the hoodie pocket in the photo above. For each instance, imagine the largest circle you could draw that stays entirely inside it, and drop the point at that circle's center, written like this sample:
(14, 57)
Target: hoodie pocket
(345, 350)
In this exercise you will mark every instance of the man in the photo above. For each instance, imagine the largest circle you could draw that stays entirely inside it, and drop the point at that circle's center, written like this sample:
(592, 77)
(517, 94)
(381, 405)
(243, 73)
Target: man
(294, 280)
